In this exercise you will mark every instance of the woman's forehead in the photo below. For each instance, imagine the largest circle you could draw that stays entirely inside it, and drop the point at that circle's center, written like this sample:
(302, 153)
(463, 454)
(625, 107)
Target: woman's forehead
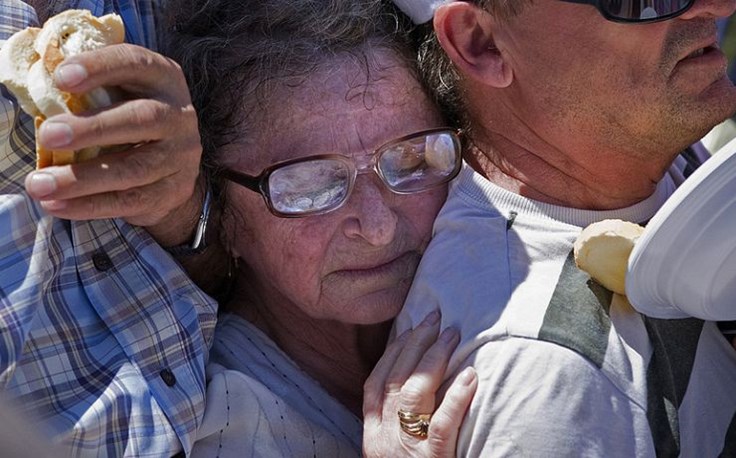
(342, 109)
(348, 81)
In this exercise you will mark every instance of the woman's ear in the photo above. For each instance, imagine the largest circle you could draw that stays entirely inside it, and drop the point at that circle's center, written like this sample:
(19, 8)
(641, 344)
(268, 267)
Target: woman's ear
(466, 33)
(230, 222)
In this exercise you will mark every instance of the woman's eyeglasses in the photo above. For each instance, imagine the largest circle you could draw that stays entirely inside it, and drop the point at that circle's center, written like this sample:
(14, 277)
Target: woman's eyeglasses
(638, 11)
(315, 185)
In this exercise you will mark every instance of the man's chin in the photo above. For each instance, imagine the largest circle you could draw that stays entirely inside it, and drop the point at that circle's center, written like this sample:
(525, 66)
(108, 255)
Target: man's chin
(696, 119)
(722, 100)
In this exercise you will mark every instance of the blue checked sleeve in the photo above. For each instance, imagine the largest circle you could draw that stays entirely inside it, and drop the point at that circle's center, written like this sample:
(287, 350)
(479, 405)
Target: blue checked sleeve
(103, 336)
(16, 160)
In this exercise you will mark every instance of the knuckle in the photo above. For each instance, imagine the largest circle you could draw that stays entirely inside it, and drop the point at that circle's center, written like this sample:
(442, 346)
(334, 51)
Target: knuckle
(371, 386)
(422, 338)
(416, 346)
(395, 345)
(371, 420)
(159, 161)
(189, 119)
(441, 424)
(415, 343)
(392, 386)
(439, 443)
(135, 56)
(176, 72)
(100, 62)
(134, 199)
(413, 393)
(133, 168)
(146, 112)
(182, 158)
(175, 66)
(89, 207)
(434, 358)
(94, 128)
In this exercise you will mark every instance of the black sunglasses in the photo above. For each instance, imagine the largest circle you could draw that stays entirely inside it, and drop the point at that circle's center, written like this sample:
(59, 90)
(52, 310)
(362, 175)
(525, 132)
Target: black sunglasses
(638, 11)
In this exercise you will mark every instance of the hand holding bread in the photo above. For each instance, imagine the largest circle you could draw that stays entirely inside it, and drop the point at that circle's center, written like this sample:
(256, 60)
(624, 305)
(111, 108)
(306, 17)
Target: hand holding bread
(149, 183)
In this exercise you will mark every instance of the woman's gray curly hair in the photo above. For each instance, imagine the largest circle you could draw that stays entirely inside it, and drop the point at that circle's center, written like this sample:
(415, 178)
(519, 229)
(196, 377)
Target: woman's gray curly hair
(233, 52)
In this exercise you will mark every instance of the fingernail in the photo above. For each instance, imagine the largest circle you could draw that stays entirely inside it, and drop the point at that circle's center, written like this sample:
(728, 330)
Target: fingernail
(55, 134)
(70, 74)
(53, 205)
(41, 184)
(432, 318)
(467, 376)
(448, 335)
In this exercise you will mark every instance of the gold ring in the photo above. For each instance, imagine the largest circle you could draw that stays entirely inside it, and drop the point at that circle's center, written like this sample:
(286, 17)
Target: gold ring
(414, 424)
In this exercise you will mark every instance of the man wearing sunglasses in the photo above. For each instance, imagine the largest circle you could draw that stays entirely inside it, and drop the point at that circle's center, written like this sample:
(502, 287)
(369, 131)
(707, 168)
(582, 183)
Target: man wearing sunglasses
(575, 111)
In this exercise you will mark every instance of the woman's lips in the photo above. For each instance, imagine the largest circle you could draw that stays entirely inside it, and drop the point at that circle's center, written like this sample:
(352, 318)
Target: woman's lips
(398, 268)
(380, 267)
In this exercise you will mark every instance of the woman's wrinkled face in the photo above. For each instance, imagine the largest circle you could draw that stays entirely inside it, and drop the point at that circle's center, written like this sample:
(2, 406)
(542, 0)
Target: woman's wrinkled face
(354, 264)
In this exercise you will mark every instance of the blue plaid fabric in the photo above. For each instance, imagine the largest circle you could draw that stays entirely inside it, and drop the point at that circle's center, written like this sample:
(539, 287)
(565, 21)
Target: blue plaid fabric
(103, 337)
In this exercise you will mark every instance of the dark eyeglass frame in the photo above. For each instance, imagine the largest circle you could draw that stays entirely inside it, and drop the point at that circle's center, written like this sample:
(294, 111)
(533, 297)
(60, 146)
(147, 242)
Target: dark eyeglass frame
(259, 183)
(606, 14)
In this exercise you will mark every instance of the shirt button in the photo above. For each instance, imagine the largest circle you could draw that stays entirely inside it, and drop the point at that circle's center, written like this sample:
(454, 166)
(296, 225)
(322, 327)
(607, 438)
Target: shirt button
(168, 377)
(101, 261)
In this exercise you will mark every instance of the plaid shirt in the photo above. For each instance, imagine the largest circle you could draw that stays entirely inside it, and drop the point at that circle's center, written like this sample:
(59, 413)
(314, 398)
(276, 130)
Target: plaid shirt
(102, 335)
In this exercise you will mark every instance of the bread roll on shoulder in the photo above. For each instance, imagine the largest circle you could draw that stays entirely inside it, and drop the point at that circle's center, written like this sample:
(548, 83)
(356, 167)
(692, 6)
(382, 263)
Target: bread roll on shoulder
(28, 61)
(602, 250)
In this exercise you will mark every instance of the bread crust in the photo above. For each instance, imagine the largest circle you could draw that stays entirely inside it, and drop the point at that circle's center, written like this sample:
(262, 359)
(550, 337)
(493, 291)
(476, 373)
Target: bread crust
(47, 158)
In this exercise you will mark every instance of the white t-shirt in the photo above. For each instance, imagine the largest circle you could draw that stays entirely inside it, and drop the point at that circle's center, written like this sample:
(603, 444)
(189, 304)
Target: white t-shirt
(565, 370)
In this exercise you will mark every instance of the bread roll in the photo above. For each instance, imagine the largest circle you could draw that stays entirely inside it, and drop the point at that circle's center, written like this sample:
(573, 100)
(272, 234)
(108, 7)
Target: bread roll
(602, 250)
(28, 61)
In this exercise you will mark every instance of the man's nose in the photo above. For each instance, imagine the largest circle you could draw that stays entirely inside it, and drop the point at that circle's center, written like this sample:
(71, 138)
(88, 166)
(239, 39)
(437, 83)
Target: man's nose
(710, 8)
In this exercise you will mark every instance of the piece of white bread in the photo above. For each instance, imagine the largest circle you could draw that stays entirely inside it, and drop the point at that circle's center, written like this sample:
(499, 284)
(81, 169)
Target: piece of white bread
(16, 57)
(602, 250)
(29, 58)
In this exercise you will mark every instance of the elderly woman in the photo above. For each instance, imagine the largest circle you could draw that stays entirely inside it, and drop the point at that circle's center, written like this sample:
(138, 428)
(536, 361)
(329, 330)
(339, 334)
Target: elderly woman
(329, 164)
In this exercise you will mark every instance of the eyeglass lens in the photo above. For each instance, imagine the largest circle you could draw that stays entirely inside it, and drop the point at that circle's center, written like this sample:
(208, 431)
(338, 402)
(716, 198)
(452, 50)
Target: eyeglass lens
(411, 165)
(644, 10)
(419, 163)
(309, 186)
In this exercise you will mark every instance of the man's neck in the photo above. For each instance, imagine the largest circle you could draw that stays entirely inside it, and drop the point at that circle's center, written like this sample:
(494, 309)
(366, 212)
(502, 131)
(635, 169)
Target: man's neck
(590, 180)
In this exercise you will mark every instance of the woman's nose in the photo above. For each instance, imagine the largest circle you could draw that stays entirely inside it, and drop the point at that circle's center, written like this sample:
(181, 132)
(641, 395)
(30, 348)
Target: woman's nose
(370, 211)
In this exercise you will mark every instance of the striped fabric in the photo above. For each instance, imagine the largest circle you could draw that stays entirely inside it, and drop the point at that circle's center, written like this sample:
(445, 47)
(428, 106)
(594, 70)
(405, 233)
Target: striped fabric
(260, 403)
(103, 337)
(15, 14)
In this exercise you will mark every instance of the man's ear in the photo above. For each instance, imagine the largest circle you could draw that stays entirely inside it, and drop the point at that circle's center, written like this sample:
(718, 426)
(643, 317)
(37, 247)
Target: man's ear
(465, 32)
